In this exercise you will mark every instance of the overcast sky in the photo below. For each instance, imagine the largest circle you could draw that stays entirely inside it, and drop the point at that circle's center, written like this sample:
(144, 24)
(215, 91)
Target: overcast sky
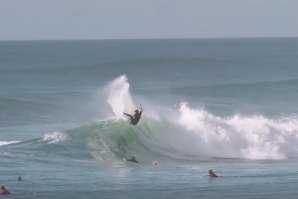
(123, 19)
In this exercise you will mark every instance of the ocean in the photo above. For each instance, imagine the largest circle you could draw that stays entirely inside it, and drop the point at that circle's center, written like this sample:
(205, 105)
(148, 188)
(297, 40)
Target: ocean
(229, 105)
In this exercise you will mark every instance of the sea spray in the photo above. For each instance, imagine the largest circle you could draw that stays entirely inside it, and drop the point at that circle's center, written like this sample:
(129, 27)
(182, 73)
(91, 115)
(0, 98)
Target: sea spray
(119, 97)
(54, 137)
(253, 137)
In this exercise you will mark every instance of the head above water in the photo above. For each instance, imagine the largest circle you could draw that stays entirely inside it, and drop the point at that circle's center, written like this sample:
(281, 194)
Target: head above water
(136, 111)
(2, 187)
(211, 173)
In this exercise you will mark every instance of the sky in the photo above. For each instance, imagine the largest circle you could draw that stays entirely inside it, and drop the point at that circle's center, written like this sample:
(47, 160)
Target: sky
(136, 19)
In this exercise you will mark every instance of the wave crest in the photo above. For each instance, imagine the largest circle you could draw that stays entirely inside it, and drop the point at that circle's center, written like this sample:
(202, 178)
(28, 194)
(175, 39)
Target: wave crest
(254, 137)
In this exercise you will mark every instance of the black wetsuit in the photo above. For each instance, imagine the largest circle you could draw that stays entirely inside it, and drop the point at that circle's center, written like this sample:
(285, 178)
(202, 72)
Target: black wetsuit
(134, 119)
(132, 160)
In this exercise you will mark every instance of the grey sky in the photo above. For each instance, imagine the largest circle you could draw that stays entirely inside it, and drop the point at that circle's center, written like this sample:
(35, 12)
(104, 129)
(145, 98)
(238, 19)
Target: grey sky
(109, 19)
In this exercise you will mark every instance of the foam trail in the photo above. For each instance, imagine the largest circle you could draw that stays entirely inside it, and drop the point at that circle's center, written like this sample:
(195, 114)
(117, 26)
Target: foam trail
(119, 97)
(2, 143)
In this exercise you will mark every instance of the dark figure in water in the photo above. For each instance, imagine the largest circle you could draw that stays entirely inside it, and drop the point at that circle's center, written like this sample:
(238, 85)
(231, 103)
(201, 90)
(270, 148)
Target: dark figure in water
(133, 159)
(211, 174)
(136, 118)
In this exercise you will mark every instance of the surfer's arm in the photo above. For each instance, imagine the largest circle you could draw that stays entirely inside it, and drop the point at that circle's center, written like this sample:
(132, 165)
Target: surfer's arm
(130, 116)
(141, 110)
(127, 114)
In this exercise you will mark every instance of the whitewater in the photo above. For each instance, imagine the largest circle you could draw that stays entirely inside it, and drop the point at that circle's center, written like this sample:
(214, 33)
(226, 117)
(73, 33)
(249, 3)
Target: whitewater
(207, 105)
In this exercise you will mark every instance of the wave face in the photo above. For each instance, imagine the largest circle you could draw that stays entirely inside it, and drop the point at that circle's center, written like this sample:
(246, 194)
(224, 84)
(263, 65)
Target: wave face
(197, 135)
(174, 133)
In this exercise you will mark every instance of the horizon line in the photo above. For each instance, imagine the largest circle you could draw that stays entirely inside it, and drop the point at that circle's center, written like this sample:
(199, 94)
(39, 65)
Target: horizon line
(169, 38)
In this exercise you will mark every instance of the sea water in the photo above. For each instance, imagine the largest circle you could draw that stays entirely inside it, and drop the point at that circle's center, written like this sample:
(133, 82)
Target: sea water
(229, 105)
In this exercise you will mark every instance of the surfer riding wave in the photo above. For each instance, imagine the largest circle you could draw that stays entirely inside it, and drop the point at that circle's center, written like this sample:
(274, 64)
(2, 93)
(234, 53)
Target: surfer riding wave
(136, 118)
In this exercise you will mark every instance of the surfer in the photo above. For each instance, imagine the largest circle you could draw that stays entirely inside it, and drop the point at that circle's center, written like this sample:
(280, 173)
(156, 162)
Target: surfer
(136, 118)
(133, 159)
(211, 174)
(4, 191)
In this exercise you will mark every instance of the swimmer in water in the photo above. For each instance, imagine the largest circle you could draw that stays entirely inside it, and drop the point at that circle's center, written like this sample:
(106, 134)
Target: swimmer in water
(4, 191)
(212, 174)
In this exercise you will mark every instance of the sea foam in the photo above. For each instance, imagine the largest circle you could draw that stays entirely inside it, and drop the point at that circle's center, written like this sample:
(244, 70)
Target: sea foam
(54, 137)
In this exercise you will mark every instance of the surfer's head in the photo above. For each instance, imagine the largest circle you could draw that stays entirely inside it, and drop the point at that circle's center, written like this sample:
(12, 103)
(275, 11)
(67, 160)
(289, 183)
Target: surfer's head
(211, 173)
(137, 111)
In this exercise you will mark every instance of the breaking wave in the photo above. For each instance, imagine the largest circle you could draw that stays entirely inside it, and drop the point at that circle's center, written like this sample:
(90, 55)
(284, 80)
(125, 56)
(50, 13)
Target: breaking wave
(179, 133)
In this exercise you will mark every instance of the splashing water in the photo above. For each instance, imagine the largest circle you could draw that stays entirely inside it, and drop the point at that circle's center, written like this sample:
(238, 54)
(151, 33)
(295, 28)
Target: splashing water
(54, 137)
(119, 97)
(254, 137)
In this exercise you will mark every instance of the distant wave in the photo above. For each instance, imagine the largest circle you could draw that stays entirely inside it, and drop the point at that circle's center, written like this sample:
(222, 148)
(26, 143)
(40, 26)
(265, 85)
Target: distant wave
(14, 103)
(247, 85)
(234, 89)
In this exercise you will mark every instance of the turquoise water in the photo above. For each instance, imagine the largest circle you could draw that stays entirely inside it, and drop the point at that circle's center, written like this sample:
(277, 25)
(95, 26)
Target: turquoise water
(228, 105)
